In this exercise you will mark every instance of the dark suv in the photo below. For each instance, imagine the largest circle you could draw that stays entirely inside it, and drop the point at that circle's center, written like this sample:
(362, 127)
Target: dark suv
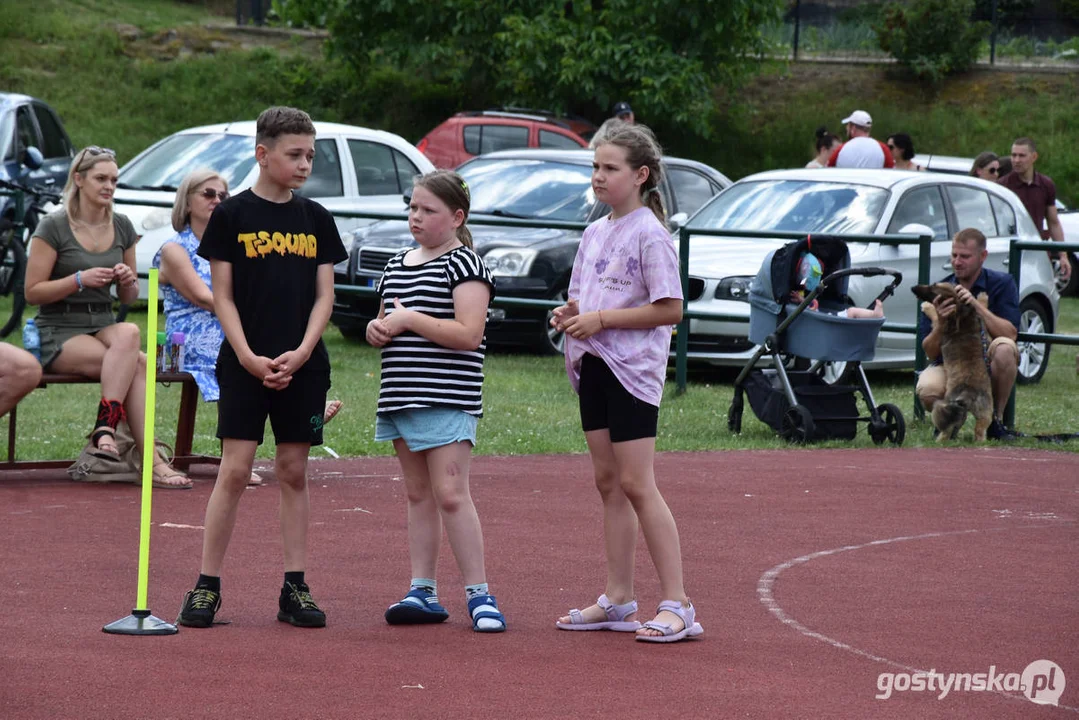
(28, 125)
(468, 134)
(546, 185)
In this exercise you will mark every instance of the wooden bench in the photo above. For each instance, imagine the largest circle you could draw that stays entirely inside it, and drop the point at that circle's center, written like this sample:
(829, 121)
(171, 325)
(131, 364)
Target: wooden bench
(185, 423)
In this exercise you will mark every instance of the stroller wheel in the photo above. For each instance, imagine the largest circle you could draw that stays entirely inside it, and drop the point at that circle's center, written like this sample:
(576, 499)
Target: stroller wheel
(891, 427)
(798, 424)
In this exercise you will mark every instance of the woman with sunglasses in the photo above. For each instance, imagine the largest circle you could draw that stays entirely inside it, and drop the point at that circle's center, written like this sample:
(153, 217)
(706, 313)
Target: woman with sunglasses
(186, 288)
(986, 166)
(902, 148)
(77, 253)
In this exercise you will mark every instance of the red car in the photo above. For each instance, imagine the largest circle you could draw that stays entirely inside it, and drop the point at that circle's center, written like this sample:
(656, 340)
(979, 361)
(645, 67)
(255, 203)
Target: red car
(468, 134)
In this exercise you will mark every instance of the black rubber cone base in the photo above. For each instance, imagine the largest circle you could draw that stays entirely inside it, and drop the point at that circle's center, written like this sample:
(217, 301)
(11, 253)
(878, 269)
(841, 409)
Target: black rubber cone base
(140, 622)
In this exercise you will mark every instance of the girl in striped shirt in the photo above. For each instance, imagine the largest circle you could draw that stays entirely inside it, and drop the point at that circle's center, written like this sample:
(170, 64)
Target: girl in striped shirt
(431, 331)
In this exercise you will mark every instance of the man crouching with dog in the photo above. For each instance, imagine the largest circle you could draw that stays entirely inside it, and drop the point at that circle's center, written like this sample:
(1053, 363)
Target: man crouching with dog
(1000, 317)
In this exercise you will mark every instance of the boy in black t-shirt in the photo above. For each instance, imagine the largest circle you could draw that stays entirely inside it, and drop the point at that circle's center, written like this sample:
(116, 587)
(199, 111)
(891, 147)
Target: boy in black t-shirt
(271, 256)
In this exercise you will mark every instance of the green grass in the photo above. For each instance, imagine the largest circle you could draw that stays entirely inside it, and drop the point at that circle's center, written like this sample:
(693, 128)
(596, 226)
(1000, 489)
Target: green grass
(530, 407)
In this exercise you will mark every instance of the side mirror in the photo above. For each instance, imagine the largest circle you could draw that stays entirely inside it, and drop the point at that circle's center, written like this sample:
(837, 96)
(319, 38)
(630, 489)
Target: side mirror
(32, 158)
(407, 197)
(917, 229)
(677, 220)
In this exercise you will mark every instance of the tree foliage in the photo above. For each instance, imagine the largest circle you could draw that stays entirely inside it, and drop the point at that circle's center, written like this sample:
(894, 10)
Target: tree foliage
(666, 56)
(932, 38)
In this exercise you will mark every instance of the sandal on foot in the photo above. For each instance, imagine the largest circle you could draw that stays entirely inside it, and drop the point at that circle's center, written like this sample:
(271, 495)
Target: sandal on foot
(332, 408)
(616, 618)
(103, 444)
(166, 479)
(418, 607)
(255, 480)
(484, 607)
(690, 628)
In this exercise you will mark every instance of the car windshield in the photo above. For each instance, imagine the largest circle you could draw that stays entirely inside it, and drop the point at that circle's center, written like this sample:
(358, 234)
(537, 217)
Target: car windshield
(795, 206)
(530, 188)
(166, 165)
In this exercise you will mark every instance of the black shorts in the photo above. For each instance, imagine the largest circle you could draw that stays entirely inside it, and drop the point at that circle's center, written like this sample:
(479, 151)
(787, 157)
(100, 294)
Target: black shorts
(295, 413)
(606, 404)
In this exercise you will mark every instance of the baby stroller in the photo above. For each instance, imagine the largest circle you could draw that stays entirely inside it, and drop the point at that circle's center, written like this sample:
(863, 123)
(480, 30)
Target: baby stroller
(799, 404)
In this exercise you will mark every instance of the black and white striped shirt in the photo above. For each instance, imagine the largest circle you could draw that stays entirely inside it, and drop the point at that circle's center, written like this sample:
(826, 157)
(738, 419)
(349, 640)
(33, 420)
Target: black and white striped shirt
(416, 372)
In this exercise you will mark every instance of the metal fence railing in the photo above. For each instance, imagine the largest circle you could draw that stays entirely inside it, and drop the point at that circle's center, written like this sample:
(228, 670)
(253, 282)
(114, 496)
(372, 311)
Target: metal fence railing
(843, 30)
(682, 336)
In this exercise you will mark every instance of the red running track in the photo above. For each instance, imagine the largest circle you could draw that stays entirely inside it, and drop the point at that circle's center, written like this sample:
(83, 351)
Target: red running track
(813, 571)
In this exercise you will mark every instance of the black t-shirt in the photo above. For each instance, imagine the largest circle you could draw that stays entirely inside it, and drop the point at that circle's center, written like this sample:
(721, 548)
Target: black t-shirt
(275, 250)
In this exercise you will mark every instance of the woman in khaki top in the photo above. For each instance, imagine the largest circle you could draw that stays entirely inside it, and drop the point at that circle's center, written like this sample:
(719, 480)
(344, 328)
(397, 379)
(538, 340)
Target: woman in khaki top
(76, 254)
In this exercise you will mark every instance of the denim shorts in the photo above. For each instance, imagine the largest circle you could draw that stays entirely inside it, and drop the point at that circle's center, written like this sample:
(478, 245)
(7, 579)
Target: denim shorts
(426, 428)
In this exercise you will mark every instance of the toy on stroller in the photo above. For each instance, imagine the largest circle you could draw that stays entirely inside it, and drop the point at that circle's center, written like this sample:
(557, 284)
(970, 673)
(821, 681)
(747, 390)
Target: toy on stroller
(799, 404)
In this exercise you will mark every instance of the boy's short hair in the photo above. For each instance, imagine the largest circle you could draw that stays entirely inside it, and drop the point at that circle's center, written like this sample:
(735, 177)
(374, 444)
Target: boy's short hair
(279, 120)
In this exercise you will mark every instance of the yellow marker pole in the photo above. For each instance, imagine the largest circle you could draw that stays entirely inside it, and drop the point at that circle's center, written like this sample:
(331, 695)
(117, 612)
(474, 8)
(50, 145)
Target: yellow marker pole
(140, 621)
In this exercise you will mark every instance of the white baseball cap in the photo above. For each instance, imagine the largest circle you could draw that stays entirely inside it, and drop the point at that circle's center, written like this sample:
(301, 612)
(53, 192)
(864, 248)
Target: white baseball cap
(860, 118)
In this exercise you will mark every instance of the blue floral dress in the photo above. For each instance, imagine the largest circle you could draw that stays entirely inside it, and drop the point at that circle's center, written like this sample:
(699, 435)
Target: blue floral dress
(202, 331)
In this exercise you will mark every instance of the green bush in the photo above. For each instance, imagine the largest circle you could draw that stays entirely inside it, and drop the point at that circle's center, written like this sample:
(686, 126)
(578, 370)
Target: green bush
(931, 38)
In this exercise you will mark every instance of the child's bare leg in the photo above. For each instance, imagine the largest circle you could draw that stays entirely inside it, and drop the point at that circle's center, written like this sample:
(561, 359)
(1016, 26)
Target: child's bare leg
(635, 461)
(237, 457)
(447, 467)
(290, 468)
(424, 522)
(619, 528)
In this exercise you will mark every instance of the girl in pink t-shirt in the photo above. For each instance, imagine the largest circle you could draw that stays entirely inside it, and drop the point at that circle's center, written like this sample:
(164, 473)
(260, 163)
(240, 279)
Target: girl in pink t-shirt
(625, 294)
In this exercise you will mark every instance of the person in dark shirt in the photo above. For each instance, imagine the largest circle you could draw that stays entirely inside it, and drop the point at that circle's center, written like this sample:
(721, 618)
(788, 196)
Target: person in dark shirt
(271, 256)
(1039, 195)
(1000, 318)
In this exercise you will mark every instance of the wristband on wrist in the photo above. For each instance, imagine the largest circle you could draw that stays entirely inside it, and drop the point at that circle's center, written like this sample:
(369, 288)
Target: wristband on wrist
(601, 320)
(78, 279)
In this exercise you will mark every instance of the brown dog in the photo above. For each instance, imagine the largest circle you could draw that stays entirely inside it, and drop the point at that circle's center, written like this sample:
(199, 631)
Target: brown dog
(967, 388)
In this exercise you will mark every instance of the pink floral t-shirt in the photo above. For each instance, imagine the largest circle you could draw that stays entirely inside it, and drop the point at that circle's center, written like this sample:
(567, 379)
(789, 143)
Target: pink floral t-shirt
(625, 263)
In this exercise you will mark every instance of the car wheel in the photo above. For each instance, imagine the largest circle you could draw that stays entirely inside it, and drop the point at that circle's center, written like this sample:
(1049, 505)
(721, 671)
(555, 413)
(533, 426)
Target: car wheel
(553, 341)
(1071, 285)
(834, 373)
(1033, 357)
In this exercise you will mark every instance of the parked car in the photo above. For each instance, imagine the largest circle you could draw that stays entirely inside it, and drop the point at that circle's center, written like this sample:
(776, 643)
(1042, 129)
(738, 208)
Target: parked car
(34, 146)
(550, 185)
(355, 169)
(866, 202)
(1069, 217)
(468, 134)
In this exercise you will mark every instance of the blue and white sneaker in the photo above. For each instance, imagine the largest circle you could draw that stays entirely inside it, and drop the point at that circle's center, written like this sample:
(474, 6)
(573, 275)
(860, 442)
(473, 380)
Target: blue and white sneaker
(419, 607)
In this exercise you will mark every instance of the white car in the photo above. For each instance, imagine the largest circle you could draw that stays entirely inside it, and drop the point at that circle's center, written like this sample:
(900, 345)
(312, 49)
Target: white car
(1069, 217)
(355, 169)
(859, 202)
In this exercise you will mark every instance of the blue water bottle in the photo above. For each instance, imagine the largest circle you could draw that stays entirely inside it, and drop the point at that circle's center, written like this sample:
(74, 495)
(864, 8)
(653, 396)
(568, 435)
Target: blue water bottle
(31, 340)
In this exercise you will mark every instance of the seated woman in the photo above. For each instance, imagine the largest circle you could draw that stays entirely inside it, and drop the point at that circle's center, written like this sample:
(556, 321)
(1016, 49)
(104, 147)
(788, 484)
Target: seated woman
(76, 254)
(186, 287)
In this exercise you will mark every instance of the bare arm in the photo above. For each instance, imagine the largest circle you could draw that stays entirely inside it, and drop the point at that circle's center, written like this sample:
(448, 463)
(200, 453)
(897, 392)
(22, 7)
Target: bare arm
(320, 312)
(126, 279)
(464, 332)
(1056, 233)
(227, 314)
(177, 271)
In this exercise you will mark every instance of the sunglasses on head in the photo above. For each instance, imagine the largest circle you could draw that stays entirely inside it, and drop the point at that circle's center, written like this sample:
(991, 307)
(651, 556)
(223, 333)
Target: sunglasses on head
(210, 194)
(95, 150)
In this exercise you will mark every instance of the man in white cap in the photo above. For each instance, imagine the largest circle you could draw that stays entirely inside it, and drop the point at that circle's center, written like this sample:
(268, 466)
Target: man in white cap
(861, 151)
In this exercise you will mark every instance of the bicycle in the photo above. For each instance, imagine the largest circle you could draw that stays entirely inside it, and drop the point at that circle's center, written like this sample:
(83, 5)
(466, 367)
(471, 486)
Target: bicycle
(15, 233)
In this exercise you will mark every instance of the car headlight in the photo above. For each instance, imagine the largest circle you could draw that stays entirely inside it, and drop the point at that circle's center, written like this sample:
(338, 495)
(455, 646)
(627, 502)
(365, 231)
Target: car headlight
(510, 262)
(734, 288)
(159, 218)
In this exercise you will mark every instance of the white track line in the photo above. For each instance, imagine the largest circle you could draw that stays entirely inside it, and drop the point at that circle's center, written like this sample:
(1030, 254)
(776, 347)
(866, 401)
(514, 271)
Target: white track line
(767, 581)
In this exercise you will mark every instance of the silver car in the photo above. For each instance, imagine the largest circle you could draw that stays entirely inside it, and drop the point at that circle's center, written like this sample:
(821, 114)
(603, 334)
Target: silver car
(859, 202)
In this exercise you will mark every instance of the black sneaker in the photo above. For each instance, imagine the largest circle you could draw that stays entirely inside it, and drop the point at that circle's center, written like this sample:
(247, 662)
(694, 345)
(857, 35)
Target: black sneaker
(200, 606)
(298, 608)
(997, 431)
